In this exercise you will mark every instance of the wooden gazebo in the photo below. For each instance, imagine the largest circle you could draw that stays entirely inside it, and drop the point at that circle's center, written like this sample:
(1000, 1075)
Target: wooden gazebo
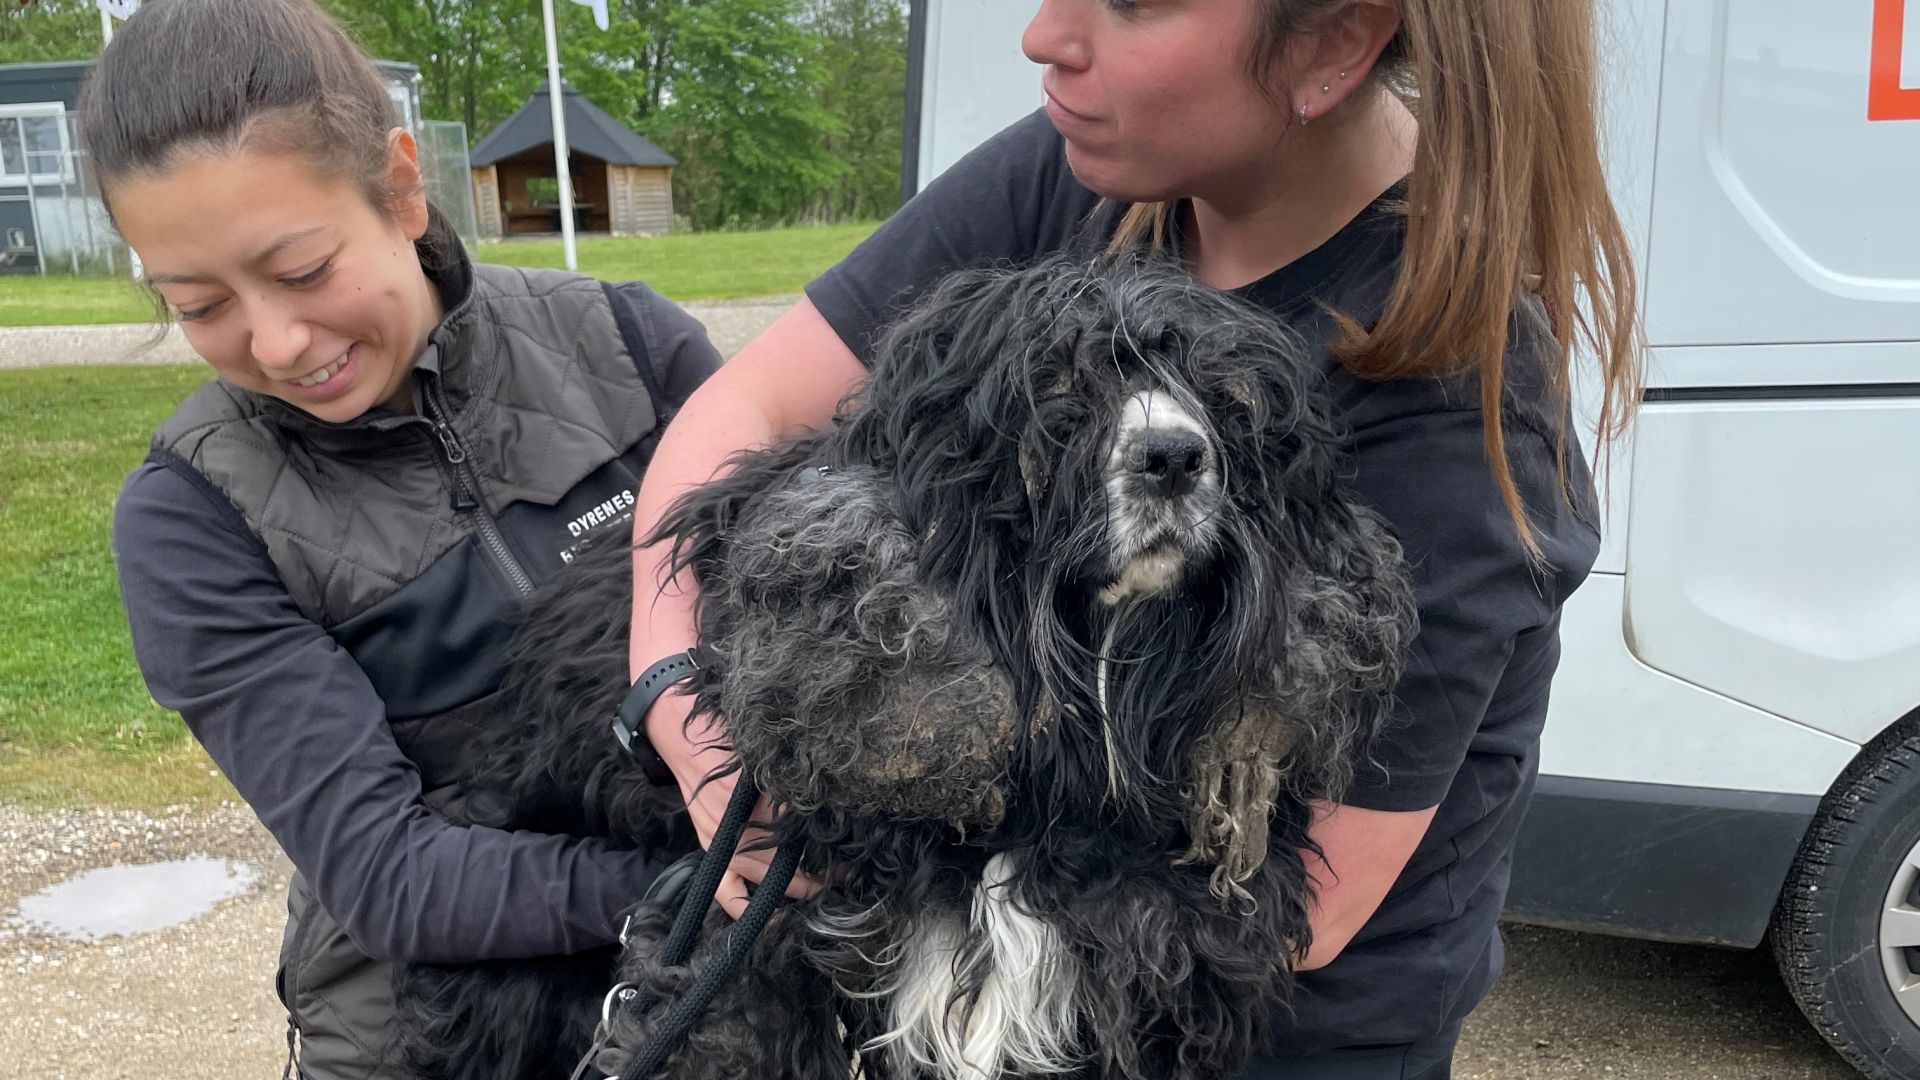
(622, 184)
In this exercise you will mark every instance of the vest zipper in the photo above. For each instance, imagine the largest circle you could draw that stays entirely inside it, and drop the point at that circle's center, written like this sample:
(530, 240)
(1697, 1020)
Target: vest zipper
(466, 489)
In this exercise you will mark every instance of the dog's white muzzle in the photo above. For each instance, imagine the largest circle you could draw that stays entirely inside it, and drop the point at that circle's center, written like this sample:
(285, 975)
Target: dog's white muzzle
(1163, 495)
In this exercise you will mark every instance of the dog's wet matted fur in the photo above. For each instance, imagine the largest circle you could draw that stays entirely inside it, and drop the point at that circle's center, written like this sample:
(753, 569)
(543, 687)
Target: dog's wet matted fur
(1045, 648)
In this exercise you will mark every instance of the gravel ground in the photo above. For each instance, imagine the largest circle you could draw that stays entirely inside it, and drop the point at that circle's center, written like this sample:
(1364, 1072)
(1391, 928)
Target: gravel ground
(731, 324)
(1581, 1005)
(195, 1002)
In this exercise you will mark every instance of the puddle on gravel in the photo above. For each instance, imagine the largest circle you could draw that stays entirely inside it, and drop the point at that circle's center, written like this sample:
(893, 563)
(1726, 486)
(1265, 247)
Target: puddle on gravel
(134, 899)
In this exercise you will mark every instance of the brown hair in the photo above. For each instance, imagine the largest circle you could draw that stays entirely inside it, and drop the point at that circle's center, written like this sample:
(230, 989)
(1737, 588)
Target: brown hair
(1507, 193)
(226, 75)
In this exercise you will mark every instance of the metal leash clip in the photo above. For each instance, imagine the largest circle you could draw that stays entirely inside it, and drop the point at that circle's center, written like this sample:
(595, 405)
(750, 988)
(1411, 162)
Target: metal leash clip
(603, 1035)
(624, 992)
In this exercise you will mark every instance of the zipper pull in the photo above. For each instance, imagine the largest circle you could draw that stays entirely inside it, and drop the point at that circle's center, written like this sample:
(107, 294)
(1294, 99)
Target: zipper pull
(449, 442)
(463, 498)
(456, 455)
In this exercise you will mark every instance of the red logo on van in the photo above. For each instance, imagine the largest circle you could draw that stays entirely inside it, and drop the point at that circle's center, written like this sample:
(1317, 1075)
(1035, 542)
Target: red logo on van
(1886, 98)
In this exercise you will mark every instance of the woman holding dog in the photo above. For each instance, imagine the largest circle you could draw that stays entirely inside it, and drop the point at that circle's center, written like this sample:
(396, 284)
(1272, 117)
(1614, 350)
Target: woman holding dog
(1415, 185)
(323, 554)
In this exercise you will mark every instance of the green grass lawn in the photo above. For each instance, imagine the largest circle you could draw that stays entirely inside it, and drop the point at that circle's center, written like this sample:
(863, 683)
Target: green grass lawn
(27, 300)
(700, 266)
(693, 266)
(76, 723)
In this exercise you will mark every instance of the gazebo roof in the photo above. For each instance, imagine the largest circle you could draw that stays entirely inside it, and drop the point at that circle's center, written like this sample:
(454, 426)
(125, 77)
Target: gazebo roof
(590, 131)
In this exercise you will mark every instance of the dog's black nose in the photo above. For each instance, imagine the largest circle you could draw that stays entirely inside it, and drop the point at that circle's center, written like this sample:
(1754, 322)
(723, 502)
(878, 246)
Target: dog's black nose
(1170, 461)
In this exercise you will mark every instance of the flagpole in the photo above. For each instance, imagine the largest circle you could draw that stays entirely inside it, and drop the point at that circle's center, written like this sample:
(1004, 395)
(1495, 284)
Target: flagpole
(559, 138)
(106, 38)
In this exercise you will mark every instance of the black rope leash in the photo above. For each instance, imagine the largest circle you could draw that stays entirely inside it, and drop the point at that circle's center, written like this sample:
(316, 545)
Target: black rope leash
(686, 1011)
(706, 880)
(685, 934)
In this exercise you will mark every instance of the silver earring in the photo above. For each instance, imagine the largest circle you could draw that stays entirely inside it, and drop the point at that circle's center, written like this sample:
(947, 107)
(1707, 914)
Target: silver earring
(1326, 89)
(1303, 116)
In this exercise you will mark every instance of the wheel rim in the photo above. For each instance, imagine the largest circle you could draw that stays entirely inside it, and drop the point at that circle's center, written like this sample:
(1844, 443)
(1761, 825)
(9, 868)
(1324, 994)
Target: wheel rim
(1900, 935)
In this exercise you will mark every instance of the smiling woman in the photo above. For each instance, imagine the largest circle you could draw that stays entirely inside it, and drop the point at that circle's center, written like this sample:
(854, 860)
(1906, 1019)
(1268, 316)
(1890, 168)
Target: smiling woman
(323, 554)
(307, 293)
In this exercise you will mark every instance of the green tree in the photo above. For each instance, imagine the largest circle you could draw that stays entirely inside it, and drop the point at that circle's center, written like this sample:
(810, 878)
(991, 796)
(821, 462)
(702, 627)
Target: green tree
(48, 30)
(743, 112)
(625, 70)
(863, 58)
(477, 58)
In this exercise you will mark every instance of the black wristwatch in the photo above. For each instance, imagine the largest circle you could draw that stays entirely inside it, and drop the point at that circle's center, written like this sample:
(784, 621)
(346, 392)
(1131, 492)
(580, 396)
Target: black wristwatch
(646, 690)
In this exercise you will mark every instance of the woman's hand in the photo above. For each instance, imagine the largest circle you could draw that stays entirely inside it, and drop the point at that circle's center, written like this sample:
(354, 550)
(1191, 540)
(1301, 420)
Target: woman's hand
(692, 760)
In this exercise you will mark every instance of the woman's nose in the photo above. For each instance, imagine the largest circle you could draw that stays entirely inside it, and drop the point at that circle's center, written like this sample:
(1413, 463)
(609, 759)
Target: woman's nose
(1054, 37)
(278, 338)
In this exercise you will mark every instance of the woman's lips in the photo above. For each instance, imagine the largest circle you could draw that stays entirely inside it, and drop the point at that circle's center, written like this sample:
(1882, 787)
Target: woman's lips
(1057, 110)
(341, 378)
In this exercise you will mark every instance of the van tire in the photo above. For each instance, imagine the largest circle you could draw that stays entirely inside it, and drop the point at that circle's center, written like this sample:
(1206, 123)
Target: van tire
(1826, 927)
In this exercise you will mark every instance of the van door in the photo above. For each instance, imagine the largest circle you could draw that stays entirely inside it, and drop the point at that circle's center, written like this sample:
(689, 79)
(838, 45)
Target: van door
(1771, 548)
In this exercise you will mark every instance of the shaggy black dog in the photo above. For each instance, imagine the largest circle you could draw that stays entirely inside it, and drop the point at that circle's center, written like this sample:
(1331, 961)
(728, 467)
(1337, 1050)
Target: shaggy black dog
(1045, 648)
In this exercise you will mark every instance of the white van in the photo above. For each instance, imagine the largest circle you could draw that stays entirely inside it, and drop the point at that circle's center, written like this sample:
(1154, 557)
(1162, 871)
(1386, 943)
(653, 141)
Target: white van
(1734, 745)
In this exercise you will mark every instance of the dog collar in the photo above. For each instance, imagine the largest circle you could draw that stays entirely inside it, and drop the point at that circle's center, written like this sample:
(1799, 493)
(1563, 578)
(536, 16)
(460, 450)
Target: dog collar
(646, 690)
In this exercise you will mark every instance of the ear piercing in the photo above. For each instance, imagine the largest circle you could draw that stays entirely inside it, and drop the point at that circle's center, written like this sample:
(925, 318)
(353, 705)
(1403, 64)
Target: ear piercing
(1325, 88)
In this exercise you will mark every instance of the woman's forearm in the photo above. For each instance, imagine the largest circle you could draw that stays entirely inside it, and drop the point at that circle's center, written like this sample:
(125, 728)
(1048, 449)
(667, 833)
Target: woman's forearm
(707, 432)
(1362, 853)
(785, 382)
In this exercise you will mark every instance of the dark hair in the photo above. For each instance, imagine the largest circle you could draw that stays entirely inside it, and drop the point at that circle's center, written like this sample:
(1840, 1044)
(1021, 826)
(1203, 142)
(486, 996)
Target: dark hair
(226, 75)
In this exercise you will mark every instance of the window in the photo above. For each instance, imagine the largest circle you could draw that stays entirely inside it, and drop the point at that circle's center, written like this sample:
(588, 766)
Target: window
(35, 137)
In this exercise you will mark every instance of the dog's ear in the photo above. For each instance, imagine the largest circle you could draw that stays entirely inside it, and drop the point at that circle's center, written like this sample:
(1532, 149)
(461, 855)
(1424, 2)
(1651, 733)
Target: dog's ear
(948, 370)
(697, 522)
(949, 406)
(1352, 617)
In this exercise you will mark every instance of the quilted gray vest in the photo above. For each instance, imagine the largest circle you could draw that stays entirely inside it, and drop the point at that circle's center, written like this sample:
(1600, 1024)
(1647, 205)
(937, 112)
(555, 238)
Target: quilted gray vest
(411, 539)
(527, 387)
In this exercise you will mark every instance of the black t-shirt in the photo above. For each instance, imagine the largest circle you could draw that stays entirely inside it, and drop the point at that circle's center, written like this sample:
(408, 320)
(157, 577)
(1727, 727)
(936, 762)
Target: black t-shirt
(1473, 701)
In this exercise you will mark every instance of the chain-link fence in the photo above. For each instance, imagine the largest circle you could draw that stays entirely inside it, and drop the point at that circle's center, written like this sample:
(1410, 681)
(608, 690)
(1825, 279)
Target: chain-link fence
(53, 222)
